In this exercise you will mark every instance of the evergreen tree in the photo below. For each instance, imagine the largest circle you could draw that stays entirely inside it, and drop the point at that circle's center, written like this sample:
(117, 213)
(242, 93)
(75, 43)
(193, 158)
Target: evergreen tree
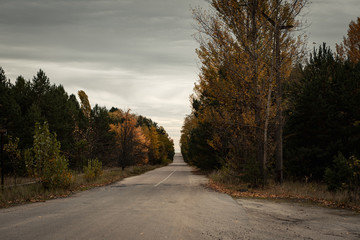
(323, 116)
(104, 140)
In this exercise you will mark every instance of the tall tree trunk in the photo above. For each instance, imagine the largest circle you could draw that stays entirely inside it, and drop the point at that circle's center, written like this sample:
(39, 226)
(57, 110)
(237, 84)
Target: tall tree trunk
(257, 102)
(278, 95)
(268, 106)
(266, 126)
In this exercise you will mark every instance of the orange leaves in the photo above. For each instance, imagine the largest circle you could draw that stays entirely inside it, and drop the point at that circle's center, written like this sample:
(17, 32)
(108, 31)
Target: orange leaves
(130, 139)
(351, 44)
(353, 41)
(153, 142)
(247, 52)
(117, 115)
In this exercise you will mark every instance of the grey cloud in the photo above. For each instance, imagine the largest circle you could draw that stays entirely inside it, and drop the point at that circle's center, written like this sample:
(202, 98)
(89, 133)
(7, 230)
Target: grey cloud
(330, 20)
(111, 30)
(126, 53)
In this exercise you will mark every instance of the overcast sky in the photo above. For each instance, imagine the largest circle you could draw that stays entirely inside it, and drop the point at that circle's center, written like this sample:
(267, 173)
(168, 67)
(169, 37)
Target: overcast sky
(137, 54)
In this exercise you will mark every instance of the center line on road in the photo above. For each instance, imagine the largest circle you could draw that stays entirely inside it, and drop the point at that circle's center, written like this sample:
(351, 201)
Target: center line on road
(165, 179)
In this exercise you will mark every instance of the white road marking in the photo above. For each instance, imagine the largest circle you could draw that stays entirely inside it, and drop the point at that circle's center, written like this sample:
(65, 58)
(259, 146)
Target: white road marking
(165, 179)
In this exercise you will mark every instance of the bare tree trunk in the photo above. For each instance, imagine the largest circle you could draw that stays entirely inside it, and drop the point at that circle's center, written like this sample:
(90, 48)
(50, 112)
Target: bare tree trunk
(266, 126)
(268, 106)
(278, 95)
(257, 100)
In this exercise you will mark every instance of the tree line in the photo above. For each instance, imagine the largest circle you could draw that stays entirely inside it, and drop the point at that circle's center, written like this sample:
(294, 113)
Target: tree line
(260, 109)
(36, 109)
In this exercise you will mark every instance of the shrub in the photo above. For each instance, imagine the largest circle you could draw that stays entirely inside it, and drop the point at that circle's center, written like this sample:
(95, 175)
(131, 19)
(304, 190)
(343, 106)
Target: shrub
(56, 173)
(44, 160)
(354, 165)
(252, 173)
(14, 155)
(226, 175)
(344, 174)
(337, 177)
(93, 170)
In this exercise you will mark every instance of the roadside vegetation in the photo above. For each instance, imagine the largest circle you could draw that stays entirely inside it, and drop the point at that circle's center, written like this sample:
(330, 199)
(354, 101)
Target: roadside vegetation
(29, 191)
(267, 118)
(60, 145)
(313, 192)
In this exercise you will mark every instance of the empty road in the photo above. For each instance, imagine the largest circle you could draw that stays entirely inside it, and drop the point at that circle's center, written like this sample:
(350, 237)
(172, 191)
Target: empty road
(171, 203)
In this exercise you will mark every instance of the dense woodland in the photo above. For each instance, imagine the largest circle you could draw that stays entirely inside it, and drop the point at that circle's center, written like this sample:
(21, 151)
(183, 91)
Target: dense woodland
(41, 118)
(261, 109)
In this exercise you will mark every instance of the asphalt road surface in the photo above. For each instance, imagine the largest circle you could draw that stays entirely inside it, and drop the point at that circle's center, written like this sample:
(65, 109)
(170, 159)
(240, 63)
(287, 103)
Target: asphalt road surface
(171, 203)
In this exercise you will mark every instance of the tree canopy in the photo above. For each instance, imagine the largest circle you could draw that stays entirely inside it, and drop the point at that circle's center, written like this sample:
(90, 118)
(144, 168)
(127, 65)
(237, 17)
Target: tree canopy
(256, 91)
(83, 132)
(246, 52)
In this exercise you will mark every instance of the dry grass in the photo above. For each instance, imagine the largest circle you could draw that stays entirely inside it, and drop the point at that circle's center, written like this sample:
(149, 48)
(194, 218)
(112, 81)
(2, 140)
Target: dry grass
(19, 194)
(12, 181)
(295, 191)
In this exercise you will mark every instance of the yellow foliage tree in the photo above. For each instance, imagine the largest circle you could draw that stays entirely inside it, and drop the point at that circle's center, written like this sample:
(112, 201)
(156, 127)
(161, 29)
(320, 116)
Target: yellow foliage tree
(154, 144)
(132, 144)
(85, 104)
(247, 52)
(351, 45)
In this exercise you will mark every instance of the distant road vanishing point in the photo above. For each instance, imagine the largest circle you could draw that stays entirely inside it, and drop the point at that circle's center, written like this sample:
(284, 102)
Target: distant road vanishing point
(172, 203)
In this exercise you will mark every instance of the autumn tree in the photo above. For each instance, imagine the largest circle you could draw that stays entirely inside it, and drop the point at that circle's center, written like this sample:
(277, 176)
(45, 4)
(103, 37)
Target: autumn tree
(154, 144)
(84, 139)
(228, 93)
(85, 104)
(194, 143)
(161, 146)
(131, 142)
(350, 47)
(240, 74)
(166, 147)
(282, 19)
